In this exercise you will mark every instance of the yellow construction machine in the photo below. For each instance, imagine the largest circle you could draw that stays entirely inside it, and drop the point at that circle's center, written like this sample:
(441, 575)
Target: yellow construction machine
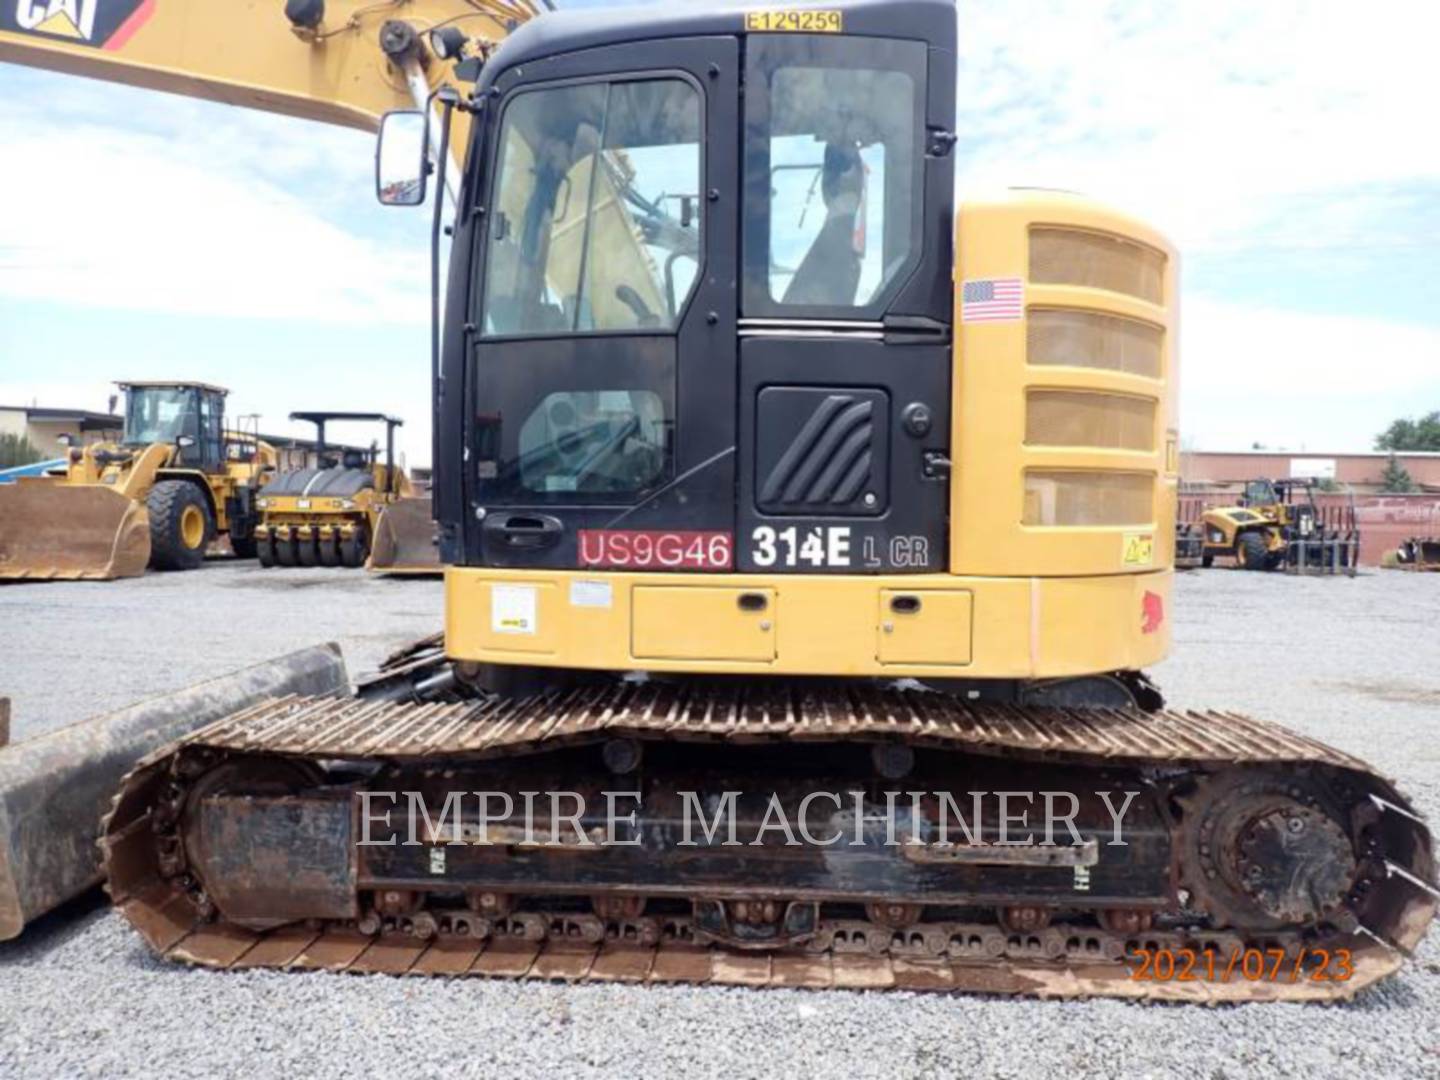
(328, 516)
(159, 497)
(1277, 524)
(807, 533)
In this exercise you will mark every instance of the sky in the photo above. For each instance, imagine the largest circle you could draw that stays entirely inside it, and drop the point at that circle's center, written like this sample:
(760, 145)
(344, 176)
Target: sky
(1288, 148)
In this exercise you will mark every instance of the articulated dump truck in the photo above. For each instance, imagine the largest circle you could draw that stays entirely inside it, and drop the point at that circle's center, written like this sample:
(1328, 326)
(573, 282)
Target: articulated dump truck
(807, 535)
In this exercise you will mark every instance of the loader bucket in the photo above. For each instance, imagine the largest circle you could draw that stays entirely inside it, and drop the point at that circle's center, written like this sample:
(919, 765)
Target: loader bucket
(405, 539)
(50, 529)
(56, 787)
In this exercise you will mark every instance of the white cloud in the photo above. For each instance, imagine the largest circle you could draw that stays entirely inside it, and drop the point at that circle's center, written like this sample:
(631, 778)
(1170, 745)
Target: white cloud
(87, 394)
(1246, 131)
(207, 211)
(1210, 118)
(1299, 381)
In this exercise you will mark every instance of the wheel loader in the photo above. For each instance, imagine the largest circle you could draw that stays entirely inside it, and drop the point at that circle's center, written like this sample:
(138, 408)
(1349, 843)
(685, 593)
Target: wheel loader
(158, 498)
(1276, 525)
(353, 510)
(807, 535)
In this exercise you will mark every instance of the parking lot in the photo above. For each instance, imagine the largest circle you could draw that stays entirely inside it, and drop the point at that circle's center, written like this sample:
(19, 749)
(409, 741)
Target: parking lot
(1353, 662)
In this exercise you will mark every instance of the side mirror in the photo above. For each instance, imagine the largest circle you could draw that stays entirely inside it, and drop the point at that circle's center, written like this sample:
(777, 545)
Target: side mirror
(400, 160)
(185, 442)
(66, 440)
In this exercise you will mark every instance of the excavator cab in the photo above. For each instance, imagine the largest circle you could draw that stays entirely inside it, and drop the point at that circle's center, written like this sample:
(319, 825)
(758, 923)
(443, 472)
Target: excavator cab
(709, 332)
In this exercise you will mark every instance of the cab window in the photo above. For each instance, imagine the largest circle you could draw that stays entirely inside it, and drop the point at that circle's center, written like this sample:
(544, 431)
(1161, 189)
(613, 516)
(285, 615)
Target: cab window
(833, 176)
(596, 219)
(158, 415)
(593, 442)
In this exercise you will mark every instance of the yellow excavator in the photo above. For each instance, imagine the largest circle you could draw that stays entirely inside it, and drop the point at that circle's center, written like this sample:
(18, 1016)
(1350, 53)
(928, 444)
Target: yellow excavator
(807, 534)
(158, 498)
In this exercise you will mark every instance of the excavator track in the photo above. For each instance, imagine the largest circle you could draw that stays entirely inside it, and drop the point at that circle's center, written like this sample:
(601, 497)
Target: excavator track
(1227, 800)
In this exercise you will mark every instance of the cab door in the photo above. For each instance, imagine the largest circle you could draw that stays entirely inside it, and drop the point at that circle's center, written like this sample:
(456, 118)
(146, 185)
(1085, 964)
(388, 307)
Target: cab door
(600, 424)
(845, 343)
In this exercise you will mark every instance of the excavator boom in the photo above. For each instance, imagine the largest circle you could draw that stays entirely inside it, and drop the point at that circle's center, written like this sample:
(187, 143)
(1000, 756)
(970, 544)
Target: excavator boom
(250, 53)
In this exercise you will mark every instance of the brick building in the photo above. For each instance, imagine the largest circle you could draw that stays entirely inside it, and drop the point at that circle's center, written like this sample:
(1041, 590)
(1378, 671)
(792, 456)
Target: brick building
(1361, 471)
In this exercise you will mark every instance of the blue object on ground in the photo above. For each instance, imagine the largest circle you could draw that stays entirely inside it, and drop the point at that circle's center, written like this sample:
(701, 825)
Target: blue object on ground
(40, 468)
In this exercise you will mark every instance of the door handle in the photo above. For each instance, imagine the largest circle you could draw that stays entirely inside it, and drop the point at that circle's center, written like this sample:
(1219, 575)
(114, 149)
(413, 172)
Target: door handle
(523, 532)
(935, 465)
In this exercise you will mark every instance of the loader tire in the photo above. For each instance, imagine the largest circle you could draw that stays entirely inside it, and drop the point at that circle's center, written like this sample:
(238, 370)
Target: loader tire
(1251, 553)
(181, 525)
(355, 549)
(247, 548)
(1207, 561)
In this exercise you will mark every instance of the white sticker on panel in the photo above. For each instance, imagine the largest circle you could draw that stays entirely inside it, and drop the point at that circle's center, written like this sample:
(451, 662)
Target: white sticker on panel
(594, 594)
(513, 609)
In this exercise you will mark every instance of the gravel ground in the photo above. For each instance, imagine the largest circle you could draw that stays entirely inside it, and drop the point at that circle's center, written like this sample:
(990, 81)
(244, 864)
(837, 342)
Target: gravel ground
(1356, 663)
(73, 649)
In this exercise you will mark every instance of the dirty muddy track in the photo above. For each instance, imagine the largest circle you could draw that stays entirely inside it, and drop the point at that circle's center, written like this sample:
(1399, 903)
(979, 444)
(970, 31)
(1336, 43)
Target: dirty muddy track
(236, 848)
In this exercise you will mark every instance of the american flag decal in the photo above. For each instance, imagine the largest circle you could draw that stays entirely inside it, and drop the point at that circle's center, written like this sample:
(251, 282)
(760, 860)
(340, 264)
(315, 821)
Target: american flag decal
(992, 300)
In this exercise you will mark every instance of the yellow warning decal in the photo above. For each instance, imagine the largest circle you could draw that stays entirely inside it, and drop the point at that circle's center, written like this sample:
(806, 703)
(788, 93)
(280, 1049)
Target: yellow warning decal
(794, 21)
(1139, 549)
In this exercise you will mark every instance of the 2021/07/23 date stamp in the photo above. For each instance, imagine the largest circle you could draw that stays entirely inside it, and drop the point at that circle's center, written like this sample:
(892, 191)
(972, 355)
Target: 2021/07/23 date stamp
(1209, 964)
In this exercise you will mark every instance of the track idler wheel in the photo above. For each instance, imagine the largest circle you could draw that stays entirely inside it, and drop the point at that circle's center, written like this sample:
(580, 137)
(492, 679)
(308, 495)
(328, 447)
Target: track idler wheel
(201, 862)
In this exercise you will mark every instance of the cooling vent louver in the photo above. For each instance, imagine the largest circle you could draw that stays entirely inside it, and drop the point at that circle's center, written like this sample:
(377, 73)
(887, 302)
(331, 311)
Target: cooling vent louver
(821, 451)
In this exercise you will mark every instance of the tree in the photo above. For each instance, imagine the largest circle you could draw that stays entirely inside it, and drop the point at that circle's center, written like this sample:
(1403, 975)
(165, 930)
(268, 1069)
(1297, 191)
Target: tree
(17, 450)
(1396, 478)
(1404, 434)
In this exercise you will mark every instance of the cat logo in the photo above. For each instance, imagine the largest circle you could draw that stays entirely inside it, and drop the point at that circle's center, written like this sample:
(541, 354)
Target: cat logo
(101, 24)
